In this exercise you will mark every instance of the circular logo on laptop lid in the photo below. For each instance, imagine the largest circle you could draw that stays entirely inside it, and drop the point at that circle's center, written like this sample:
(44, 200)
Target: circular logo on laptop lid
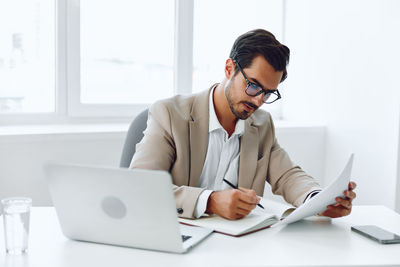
(113, 207)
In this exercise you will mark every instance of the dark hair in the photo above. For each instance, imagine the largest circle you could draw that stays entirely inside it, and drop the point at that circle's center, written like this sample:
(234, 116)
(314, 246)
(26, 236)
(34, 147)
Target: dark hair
(260, 42)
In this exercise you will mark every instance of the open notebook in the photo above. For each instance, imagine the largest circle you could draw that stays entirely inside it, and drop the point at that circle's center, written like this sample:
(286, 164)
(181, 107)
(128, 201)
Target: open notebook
(276, 213)
(257, 220)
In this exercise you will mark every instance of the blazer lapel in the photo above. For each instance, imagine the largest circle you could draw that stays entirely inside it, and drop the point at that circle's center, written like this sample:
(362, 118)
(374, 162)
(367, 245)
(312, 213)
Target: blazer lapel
(198, 128)
(248, 155)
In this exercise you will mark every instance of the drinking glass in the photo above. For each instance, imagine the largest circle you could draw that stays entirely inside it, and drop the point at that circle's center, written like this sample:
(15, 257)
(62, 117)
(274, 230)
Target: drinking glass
(16, 212)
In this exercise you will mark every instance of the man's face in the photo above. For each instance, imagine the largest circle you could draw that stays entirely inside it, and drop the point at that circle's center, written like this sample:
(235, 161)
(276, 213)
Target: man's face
(259, 72)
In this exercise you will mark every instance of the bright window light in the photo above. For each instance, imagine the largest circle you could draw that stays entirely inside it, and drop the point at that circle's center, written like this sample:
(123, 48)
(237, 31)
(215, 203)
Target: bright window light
(126, 51)
(27, 56)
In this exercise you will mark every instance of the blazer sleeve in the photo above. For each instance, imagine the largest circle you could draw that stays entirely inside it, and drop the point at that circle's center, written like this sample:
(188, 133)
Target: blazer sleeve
(286, 178)
(156, 151)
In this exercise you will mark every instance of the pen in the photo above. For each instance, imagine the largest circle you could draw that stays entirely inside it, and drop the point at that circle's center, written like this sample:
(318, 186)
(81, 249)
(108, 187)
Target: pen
(231, 185)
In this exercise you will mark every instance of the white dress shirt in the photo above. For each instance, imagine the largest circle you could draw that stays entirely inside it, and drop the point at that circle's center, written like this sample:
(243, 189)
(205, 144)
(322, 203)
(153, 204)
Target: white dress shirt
(222, 159)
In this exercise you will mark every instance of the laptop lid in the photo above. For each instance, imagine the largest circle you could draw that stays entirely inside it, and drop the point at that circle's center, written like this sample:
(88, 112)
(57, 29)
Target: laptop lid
(125, 207)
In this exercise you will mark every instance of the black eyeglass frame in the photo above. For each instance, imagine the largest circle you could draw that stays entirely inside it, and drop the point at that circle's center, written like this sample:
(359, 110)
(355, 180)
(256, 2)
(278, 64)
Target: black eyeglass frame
(262, 90)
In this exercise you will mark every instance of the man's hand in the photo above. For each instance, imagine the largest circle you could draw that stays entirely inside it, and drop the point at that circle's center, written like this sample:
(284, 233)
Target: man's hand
(343, 205)
(232, 204)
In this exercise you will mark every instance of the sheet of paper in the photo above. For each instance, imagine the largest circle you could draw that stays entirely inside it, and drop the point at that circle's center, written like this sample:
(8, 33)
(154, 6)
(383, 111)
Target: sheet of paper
(326, 197)
(279, 209)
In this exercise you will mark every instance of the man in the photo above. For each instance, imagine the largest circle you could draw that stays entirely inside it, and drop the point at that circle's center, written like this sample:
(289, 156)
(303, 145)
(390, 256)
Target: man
(221, 134)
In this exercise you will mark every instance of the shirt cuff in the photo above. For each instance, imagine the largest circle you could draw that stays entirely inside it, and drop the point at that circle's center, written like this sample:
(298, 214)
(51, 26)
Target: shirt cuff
(311, 194)
(201, 204)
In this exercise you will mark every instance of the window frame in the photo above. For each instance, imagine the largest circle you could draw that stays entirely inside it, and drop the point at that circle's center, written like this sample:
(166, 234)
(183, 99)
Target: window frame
(78, 109)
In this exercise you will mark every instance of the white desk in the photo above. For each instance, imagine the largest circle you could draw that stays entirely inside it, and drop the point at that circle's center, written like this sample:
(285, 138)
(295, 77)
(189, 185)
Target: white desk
(305, 243)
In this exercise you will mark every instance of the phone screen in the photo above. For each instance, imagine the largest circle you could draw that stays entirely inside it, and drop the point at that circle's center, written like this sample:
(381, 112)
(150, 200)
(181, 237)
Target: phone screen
(377, 233)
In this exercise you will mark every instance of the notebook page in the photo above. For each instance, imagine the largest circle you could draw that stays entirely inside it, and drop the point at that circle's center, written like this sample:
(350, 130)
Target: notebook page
(280, 210)
(233, 227)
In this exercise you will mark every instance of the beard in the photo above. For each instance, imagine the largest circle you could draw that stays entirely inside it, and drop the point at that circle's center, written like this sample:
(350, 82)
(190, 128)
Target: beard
(241, 115)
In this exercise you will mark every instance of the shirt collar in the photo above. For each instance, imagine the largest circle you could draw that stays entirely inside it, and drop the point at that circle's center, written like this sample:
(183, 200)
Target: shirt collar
(213, 120)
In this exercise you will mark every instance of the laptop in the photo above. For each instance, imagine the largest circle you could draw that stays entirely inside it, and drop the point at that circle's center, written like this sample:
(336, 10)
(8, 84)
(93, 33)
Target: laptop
(124, 207)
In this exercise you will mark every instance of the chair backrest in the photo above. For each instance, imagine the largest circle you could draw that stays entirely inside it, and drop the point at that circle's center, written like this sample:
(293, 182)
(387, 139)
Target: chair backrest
(134, 135)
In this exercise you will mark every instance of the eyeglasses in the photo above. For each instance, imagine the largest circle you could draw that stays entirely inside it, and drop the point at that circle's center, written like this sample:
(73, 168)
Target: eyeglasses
(252, 89)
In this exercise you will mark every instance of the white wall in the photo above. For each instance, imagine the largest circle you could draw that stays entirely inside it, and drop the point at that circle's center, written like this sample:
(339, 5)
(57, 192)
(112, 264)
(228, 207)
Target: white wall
(22, 157)
(397, 207)
(344, 72)
(306, 147)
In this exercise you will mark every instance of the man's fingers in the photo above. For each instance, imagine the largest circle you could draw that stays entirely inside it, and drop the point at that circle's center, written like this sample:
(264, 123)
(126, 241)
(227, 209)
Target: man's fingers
(245, 206)
(242, 212)
(352, 185)
(343, 206)
(248, 196)
(343, 202)
(335, 212)
(350, 194)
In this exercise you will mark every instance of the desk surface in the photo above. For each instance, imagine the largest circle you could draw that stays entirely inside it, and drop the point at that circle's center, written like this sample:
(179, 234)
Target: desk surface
(305, 243)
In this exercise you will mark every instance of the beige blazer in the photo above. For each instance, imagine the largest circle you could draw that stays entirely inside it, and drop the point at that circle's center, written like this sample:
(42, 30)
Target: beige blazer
(176, 140)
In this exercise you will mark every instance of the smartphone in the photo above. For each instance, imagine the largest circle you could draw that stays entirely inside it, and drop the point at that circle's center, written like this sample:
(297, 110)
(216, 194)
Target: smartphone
(376, 233)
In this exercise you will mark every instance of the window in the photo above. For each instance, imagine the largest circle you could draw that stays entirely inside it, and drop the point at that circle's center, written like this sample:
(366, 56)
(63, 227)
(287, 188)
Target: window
(27, 56)
(102, 58)
(126, 51)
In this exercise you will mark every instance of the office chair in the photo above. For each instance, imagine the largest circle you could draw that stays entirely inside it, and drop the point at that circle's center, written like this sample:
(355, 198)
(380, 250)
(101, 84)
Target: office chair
(134, 135)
